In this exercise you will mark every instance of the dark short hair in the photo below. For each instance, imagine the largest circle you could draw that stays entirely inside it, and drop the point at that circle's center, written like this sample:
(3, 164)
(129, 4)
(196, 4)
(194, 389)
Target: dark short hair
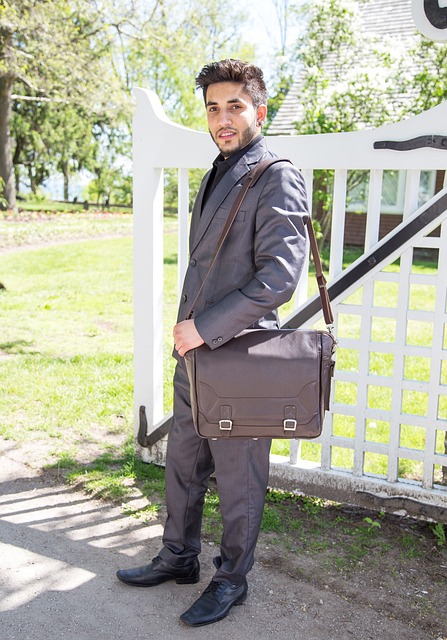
(230, 70)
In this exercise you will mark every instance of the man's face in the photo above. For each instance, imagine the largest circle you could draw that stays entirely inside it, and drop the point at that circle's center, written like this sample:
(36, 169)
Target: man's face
(233, 121)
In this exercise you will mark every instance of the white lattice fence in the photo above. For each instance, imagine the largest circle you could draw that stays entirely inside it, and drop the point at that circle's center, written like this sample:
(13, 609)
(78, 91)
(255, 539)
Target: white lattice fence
(385, 438)
(383, 443)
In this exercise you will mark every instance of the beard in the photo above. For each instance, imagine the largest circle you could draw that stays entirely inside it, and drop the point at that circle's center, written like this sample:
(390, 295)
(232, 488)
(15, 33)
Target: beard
(239, 142)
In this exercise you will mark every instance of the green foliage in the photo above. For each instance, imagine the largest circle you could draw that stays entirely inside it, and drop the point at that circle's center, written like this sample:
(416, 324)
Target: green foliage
(347, 76)
(171, 187)
(110, 186)
(3, 201)
(281, 89)
(348, 81)
(71, 67)
(438, 531)
(147, 513)
(425, 74)
(64, 460)
(173, 43)
(372, 524)
(68, 102)
(410, 546)
(272, 520)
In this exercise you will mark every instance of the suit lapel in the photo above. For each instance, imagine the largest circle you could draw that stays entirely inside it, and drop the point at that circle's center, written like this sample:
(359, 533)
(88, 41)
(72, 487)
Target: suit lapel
(228, 182)
(200, 223)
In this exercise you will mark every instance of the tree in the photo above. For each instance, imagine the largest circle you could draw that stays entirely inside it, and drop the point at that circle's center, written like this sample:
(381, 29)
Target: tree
(174, 42)
(54, 53)
(347, 81)
(424, 77)
(70, 66)
(31, 155)
(7, 76)
(348, 77)
(284, 62)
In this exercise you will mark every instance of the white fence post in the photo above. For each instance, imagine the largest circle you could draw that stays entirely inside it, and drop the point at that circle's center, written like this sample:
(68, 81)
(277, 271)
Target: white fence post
(148, 269)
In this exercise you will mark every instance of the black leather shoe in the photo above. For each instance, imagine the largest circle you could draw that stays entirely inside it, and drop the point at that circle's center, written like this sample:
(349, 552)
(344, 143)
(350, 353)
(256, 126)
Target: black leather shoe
(159, 571)
(215, 603)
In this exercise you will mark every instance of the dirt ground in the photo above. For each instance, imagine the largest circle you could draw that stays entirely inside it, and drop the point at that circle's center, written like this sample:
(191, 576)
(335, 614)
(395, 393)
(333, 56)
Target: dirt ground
(323, 572)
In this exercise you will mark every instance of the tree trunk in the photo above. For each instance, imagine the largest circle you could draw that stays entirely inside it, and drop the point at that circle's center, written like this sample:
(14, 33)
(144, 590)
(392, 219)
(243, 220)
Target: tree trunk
(65, 173)
(32, 181)
(6, 166)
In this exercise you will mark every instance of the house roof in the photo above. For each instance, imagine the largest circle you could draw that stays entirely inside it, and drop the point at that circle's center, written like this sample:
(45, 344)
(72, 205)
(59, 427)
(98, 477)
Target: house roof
(388, 17)
(378, 18)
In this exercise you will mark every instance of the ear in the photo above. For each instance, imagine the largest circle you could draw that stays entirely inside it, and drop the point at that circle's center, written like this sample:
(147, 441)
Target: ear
(261, 114)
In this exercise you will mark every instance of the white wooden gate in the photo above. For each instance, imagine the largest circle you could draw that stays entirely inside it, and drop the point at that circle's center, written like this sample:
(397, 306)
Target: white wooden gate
(383, 444)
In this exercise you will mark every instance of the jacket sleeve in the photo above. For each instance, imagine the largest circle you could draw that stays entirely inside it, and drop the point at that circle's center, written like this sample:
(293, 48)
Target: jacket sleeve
(280, 246)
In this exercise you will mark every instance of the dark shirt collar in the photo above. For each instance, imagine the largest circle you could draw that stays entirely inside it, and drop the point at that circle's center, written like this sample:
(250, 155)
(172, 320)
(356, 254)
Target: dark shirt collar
(222, 165)
(235, 157)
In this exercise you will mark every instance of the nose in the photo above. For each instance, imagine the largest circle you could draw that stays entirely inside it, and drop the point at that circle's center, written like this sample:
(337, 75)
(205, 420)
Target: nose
(224, 118)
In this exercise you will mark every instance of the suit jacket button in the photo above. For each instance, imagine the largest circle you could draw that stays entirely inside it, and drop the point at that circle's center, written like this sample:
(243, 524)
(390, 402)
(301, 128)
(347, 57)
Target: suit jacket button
(219, 339)
(214, 341)
(193, 262)
(184, 297)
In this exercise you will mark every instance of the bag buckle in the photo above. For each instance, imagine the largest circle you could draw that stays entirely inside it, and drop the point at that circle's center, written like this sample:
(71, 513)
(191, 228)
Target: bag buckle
(289, 424)
(222, 422)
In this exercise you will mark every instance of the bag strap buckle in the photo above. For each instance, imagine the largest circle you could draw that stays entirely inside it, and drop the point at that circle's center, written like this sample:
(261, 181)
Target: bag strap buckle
(289, 424)
(227, 422)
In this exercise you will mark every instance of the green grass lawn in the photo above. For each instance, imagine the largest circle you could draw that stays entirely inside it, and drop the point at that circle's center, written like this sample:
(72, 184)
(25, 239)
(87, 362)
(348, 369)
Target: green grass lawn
(66, 342)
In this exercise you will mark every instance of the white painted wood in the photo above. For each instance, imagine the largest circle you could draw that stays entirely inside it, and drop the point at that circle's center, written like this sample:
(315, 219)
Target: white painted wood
(362, 375)
(373, 212)
(355, 150)
(159, 143)
(301, 294)
(183, 226)
(338, 223)
(394, 255)
(148, 270)
(411, 192)
(399, 363)
(436, 358)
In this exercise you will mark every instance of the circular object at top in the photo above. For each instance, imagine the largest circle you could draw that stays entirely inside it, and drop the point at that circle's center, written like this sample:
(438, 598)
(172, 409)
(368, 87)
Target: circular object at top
(430, 17)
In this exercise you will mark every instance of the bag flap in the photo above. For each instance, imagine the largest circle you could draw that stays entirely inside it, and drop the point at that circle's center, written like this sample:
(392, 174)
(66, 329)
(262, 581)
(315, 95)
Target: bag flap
(258, 373)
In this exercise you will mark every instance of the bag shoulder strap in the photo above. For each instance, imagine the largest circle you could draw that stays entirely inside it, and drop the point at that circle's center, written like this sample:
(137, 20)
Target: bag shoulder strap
(249, 182)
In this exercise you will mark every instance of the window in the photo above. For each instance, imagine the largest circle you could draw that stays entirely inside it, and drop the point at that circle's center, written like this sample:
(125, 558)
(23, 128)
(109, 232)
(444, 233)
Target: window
(393, 190)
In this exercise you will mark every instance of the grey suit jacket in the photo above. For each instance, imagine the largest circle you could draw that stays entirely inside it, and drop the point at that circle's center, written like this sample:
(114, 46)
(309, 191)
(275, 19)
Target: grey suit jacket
(260, 263)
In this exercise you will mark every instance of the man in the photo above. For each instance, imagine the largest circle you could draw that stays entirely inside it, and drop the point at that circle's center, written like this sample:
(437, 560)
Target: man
(257, 270)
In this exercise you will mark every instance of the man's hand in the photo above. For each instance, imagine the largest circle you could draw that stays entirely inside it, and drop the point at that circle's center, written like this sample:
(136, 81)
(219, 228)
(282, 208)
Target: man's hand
(186, 337)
